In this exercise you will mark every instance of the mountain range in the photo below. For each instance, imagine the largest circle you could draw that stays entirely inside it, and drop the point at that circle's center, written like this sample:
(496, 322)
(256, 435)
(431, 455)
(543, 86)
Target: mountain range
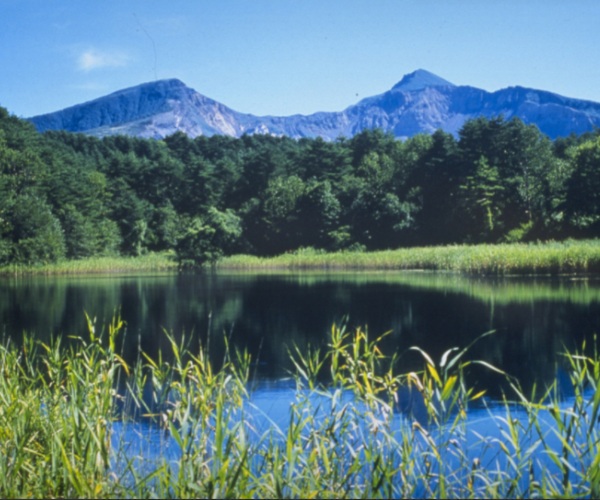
(420, 102)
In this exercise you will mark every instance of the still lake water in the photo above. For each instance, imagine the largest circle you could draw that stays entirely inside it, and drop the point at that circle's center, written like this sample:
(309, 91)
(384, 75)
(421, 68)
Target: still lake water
(534, 318)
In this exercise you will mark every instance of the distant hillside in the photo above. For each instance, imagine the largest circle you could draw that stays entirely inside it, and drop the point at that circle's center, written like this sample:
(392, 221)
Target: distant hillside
(420, 102)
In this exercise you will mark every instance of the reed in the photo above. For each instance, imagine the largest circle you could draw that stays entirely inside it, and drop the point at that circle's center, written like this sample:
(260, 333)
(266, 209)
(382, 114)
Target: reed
(567, 257)
(502, 259)
(64, 405)
(151, 262)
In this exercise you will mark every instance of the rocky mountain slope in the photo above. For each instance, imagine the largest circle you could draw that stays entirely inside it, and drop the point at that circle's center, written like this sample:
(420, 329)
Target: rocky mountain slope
(420, 102)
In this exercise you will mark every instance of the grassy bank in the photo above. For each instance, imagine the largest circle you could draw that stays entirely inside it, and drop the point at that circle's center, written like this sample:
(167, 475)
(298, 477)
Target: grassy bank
(568, 257)
(534, 258)
(61, 408)
(152, 262)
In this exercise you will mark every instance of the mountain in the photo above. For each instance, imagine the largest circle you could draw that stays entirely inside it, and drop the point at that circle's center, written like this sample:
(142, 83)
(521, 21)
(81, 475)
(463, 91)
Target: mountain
(419, 102)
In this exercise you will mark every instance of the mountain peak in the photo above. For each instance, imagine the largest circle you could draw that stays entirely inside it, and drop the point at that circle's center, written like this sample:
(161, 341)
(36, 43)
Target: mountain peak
(420, 79)
(161, 86)
(168, 82)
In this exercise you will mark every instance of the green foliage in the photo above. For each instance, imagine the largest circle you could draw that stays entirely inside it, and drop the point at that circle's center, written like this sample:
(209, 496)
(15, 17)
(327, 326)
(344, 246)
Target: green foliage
(319, 212)
(434, 180)
(583, 188)
(281, 197)
(56, 406)
(519, 234)
(35, 234)
(87, 237)
(481, 200)
(61, 405)
(207, 238)
(322, 160)
(497, 181)
(165, 226)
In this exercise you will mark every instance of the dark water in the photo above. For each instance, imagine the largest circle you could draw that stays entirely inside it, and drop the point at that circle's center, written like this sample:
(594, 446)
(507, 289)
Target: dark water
(534, 319)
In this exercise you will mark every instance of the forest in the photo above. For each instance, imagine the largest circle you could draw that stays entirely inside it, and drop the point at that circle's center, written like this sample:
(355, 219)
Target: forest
(67, 196)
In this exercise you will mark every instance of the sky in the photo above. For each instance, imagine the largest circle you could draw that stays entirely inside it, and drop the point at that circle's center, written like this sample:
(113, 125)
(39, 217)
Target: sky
(282, 57)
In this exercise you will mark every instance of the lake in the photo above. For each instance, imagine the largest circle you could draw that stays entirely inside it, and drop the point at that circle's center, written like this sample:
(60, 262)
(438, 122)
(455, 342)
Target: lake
(268, 314)
(534, 318)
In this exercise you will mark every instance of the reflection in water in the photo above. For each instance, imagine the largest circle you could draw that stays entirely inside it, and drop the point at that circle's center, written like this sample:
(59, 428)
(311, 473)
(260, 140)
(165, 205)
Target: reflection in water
(268, 314)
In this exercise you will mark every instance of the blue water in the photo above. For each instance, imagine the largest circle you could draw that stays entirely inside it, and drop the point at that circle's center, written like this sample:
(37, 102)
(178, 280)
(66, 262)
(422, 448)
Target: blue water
(482, 441)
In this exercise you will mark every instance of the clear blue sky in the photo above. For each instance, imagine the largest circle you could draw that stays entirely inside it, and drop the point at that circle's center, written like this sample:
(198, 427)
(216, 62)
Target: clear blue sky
(283, 57)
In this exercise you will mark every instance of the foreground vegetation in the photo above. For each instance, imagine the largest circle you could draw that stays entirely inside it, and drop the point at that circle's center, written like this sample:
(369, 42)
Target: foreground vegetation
(64, 408)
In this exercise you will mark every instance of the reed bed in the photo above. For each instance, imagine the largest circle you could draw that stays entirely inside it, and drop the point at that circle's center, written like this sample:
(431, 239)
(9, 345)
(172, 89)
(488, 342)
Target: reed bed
(63, 408)
(152, 262)
(567, 257)
(502, 259)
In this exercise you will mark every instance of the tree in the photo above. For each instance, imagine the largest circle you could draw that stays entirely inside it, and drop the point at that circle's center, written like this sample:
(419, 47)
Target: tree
(481, 198)
(35, 233)
(527, 160)
(165, 227)
(435, 179)
(132, 215)
(280, 215)
(371, 141)
(318, 215)
(523, 158)
(30, 233)
(379, 218)
(322, 160)
(86, 236)
(208, 238)
(78, 195)
(583, 189)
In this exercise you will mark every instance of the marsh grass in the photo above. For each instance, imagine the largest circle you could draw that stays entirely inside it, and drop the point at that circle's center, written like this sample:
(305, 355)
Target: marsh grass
(567, 257)
(65, 408)
(502, 259)
(150, 262)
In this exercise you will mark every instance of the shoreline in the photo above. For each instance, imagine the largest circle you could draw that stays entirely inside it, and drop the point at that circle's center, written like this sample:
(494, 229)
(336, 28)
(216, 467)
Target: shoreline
(567, 258)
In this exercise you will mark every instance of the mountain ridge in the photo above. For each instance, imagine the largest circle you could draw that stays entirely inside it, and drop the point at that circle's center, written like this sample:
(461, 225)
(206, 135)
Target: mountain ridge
(421, 102)
(420, 79)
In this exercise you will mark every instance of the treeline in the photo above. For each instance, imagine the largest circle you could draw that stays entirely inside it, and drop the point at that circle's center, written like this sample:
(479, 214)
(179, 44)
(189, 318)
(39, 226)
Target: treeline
(71, 196)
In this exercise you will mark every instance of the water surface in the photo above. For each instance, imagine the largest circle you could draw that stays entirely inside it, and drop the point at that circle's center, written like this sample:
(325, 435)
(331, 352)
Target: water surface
(535, 319)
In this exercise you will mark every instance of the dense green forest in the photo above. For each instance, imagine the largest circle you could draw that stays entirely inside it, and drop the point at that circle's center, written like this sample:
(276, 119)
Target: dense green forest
(70, 196)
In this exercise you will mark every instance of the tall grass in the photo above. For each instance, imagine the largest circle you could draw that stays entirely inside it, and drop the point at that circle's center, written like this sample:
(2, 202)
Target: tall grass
(64, 407)
(567, 257)
(150, 262)
(516, 258)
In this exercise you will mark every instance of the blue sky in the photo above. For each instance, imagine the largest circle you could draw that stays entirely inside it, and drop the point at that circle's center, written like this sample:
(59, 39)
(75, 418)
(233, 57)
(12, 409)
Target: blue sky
(283, 57)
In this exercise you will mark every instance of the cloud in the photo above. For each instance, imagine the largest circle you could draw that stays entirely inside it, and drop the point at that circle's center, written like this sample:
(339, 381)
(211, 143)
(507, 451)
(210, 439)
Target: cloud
(93, 59)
